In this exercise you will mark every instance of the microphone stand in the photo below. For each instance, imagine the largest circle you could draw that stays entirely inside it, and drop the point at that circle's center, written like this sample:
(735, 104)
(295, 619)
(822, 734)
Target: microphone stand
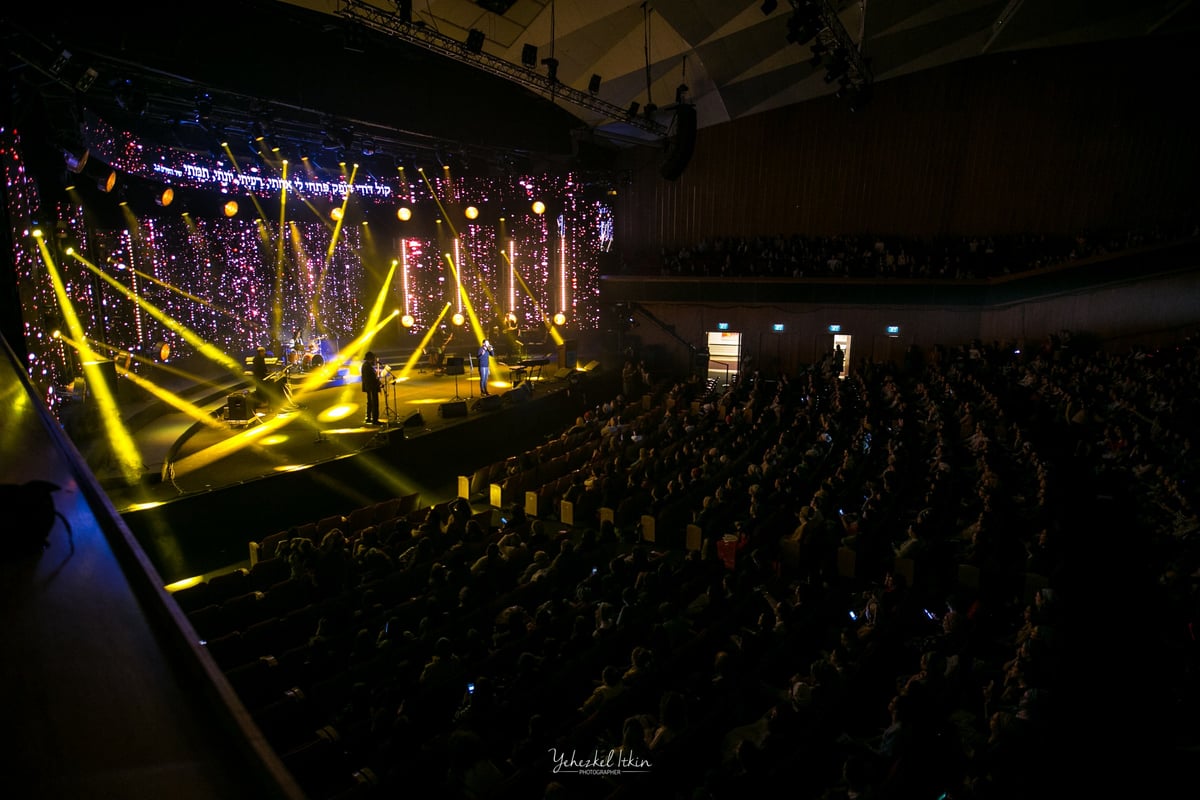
(390, 403)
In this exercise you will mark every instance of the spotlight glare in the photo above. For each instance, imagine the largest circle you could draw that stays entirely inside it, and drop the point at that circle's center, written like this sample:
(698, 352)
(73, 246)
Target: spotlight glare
(458, 318)
(472, 212)
(560, 318)
(404, 213)
(407, 320)
(539, 207)
(231, 208)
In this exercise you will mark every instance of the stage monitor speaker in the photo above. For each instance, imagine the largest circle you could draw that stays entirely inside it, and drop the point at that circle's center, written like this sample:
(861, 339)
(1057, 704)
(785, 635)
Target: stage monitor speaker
(520, 394)
(454, 365)
(489, 402)
(414, 421)
(454, 408)
(681, 145)
(237, 408)
(567, 354)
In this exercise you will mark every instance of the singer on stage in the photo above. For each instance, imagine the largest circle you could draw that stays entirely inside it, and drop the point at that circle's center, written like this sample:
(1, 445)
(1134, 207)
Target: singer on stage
(485, 361)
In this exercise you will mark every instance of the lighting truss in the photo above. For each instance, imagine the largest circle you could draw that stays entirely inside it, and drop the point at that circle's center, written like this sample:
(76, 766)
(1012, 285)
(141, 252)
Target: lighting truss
(423, 36)
(833, 35)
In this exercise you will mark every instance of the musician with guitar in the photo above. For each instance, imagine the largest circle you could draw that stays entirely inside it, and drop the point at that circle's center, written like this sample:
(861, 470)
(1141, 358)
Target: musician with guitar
(437, 350)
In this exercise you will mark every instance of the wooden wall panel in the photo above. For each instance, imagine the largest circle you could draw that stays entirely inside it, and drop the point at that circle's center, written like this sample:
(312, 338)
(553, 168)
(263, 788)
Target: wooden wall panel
(1057, 141)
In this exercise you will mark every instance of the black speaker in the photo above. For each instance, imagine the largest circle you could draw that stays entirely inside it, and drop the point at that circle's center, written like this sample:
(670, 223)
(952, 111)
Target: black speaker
(414, 421)
(454, 365)
(237, 408)
(489, 402)
(520, 394)
(454, 408)
(681, 145)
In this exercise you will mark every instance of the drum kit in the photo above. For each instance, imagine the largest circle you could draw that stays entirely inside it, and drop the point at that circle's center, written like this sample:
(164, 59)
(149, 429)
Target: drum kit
(307, 357)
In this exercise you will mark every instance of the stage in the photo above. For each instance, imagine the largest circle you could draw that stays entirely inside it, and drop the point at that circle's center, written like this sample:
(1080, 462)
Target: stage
(208, 488)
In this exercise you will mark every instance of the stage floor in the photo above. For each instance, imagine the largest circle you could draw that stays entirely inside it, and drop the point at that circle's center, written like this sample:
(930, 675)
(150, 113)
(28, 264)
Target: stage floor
(181, 455)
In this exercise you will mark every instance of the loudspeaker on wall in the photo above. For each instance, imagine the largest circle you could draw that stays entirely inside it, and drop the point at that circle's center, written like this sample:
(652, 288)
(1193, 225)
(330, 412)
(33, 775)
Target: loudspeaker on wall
(681, 145)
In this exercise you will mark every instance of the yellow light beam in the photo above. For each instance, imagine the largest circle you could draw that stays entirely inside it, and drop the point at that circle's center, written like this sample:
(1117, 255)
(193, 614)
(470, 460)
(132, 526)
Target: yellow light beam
(172, 399)
(381, 298)
(416, 356)
(333, 241)
(546, 320)
(214, 353)
(462, 292)
(251, 436)
(321, 375)
(128, 458)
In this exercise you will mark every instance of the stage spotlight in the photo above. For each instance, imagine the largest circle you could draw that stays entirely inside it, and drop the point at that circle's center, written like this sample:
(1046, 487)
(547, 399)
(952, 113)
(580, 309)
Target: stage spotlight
(551, 65)
(529, 55)
(162, 351)
(166, 197)
(335, 213)
(560, 318)
(539, 207)
(633, 109)
(96, 170)
(594, 84)
(407, 320)
(231, 208)
(458, 318)
(107, 181)
(404, 213)
(471, 212)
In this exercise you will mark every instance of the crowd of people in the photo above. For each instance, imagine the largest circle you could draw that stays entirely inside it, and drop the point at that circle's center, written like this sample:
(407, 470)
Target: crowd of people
(908, 583)
(869, 256)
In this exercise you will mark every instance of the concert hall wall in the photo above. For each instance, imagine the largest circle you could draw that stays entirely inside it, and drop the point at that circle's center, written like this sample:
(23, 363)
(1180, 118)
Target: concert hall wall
(1055, 141)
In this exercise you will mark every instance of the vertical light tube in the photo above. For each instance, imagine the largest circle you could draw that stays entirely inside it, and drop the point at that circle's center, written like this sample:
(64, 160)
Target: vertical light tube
(562, 270)
(512, 279)
(404, 273)
(457, 278)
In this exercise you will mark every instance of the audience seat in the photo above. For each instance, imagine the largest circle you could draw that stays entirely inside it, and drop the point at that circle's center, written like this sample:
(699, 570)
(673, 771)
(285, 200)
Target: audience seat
(268, 572)
(386, 510)
(359, 518)
(409, 503)
(327, 524)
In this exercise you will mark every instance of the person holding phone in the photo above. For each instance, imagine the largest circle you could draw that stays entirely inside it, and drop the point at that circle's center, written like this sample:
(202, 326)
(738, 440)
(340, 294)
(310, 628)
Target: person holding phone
(485, 361)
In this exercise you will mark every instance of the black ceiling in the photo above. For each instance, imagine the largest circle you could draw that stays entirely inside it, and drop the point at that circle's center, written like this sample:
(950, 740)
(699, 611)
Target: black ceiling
(314, 74)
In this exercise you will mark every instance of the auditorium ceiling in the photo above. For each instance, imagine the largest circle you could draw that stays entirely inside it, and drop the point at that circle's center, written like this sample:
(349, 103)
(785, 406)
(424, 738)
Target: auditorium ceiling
(335, 72)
